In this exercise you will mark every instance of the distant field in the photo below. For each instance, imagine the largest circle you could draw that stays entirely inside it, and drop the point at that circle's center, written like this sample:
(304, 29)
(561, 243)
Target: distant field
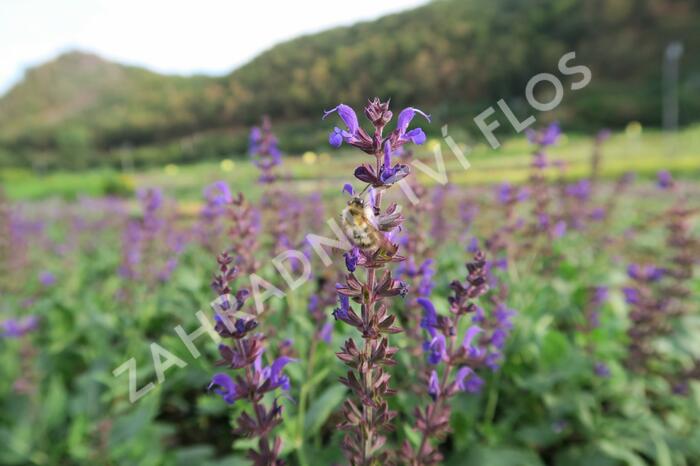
(644, 152)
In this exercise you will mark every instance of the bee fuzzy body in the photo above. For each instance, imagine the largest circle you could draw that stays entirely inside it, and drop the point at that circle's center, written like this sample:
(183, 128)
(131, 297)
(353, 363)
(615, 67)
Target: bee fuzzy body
(360, 227)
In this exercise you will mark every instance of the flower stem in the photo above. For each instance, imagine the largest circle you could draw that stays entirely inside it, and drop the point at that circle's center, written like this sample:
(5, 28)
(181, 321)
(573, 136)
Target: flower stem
(367, 350)
(303, 398)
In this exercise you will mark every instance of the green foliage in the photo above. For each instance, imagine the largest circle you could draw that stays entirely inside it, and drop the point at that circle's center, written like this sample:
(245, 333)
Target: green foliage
(544, 407)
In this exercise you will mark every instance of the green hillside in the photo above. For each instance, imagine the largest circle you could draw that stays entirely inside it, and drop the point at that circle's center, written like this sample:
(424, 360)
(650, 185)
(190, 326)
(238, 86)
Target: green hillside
(453, 57)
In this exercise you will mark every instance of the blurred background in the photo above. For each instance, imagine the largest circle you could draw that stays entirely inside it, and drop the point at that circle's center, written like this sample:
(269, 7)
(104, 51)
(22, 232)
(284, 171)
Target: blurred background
(122, 88)
(119, 118)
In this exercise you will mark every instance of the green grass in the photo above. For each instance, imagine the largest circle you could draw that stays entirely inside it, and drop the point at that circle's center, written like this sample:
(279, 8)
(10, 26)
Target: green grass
(644, 153)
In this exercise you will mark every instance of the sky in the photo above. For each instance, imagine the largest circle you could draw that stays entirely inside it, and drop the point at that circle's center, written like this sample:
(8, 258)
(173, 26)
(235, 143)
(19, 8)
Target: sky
(168, 36)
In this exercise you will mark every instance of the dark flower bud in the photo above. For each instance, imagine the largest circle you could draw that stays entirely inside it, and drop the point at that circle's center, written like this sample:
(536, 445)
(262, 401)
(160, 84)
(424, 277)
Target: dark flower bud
(378, 112)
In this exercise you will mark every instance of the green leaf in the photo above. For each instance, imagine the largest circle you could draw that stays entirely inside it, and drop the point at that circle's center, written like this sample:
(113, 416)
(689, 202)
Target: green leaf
(55, 403)
(322, 407)
(196, 454)
(620, 452)
(411, 434)
(663, 453)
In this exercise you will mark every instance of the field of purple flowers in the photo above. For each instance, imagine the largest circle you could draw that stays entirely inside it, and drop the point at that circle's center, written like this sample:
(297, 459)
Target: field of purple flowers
(550, 322)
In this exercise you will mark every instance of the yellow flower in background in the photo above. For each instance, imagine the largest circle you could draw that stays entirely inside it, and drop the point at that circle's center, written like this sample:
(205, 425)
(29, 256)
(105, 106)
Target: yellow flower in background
(127, 181)
(227, 165)
(189, 208)
(171, 169)
(309, 158)
(433, 144)
(633, 129)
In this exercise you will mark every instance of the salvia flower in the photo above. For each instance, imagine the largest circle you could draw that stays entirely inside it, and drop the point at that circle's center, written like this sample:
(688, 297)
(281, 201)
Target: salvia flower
(264, 151)
(244, 355)
(16, 328)
(429, 321)
(437, 349)
(367, 415)
(434, 385)
(601, 369)
(384, 172)
(351, 259)
(664, 180)
(459, 361)
(47, 278)
(546, 137)
(228, 390)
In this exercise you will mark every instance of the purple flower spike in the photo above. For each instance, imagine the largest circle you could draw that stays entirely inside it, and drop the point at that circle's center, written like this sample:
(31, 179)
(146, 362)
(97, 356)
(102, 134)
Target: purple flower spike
(224, 381)
(434, 386)
(218, 193)
(551, 134)
(664, 179)
(546, 137)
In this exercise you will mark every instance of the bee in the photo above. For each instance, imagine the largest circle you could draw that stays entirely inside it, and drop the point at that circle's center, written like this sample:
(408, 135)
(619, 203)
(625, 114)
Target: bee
(360, 225)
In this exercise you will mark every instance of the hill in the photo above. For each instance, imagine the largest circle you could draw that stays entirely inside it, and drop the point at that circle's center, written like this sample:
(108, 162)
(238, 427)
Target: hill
(452, 57)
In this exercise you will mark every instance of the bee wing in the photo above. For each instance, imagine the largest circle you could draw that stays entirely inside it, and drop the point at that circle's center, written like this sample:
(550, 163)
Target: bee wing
(370, 217)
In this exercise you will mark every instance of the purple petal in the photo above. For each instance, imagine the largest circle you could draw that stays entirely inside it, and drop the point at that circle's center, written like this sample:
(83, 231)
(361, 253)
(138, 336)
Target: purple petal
(469, 336)
(347, 114)
(326, 333)
(387, 156)
(437, 349)
(434, 386)
(462, 373)
(559, 229)
(372, 195)
(278, 364)
(364, 174)
(226, 382)
(335, 138)
(351, 258)
(416, 136)
(347, 188)
(664, 179)
(429, 319)
(393, 175)
(551, 134)
(406, 116)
